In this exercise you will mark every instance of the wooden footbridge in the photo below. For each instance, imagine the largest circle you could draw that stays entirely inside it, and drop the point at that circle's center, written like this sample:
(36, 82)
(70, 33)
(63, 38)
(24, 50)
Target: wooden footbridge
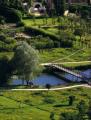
(60, 68)
(55, 66)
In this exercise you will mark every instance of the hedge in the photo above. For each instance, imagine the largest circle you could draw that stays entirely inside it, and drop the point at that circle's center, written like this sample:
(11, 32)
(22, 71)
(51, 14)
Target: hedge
(38, 31)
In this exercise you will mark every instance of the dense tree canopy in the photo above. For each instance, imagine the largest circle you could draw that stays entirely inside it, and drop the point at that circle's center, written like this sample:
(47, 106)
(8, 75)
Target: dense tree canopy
(25, 61)
(59, 6)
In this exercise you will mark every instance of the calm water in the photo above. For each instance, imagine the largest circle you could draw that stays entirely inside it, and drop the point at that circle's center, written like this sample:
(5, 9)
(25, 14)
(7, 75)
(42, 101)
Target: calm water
(44, 79)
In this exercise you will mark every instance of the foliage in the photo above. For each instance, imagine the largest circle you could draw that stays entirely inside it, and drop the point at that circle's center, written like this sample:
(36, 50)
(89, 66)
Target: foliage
(16, 4)
(89, 110)
(69, 116)
(25, 61)
(9, 13)
(82, 108)
(2, 20)
(52, 116)
(49, 101)
(6, 43)
(78, 32)
(5, 72)
(48, 86)
(65, 39)
(82, 9)
(59, 6)
(71, 100)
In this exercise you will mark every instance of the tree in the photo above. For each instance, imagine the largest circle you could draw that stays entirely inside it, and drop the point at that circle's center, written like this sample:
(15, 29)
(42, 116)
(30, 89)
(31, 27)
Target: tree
(2, 20)
(82, 108)
(5, 70)
(25, 61)
(89, 2)
(52, 116)
(48, 86)
(59, 6)
(71, 100)
(78, 32)
(68, 116)
(89, 110)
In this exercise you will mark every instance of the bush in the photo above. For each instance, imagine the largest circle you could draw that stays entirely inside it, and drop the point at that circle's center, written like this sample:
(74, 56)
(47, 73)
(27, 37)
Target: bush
(61, 42)
(9, 13)
(44, 43)
(6, 43)
(84, 13)
(2, 20)
(49, 101)
(20, 24)
(85, 10)
(37, 31)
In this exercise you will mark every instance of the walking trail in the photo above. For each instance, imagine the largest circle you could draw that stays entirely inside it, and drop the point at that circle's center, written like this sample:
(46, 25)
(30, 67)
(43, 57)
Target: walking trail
(54, 89)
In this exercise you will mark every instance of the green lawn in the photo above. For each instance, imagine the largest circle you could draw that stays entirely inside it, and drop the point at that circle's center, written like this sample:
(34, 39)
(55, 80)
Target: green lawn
(26, 105)
(39, 21)
(65, 55)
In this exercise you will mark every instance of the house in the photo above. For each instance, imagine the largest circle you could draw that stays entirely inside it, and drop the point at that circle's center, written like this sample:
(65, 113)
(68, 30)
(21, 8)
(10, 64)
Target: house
(38, 7)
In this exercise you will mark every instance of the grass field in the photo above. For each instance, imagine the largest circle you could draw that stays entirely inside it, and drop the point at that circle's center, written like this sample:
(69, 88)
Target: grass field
(26, 105)
(65, 55)
(39, 22)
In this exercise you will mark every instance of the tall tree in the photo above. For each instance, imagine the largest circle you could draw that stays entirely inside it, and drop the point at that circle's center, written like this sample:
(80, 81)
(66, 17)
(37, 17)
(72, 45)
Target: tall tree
(89, 2)
(25, 61)
(82, 108)
(59, 6)
(89, 110)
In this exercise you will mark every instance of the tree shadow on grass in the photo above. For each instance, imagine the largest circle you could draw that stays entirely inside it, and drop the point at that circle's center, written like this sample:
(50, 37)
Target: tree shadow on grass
(61, 105)
(8, 108)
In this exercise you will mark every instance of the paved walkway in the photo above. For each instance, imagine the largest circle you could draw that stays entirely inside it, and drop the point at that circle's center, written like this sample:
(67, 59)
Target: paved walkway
(54, 89)
(79, 62)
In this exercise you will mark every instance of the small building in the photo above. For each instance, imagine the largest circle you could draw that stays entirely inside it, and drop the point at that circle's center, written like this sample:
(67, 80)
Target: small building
(37, 8)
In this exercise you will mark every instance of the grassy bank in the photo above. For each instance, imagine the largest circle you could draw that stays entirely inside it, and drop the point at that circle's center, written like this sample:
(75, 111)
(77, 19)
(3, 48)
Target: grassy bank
(28, 105)
(65, 55)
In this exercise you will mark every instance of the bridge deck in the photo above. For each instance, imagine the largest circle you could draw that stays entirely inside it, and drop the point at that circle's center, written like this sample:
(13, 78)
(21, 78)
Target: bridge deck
(66, 70)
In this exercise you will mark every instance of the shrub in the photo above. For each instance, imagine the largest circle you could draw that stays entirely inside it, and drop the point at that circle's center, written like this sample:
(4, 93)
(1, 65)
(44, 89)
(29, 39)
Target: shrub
(37, 31)
(63, 42)
(9, 13)
(83, 9)
(6, 43)
(2, 20)
(49, 101)
(44, 43)
(20, 24)
(84, 13)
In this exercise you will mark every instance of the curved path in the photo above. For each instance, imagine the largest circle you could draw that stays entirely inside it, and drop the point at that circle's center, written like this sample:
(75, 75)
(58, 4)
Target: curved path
(43, 64)
(54, 89)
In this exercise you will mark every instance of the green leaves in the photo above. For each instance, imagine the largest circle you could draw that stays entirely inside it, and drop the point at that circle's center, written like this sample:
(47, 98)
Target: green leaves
(25, 60)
